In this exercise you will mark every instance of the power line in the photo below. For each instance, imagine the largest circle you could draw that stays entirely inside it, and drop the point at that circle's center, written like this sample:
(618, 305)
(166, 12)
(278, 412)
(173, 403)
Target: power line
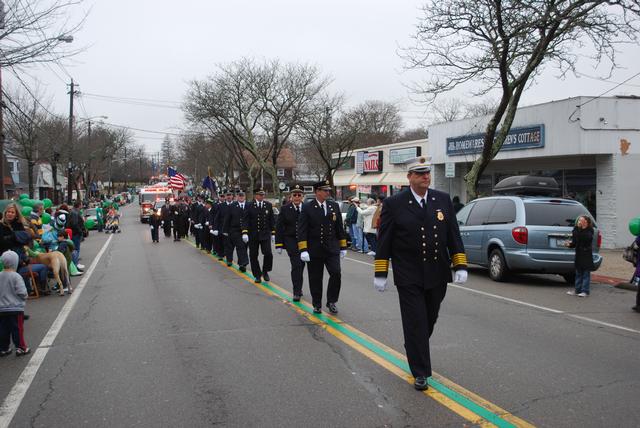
(609, 90)
(600, 79)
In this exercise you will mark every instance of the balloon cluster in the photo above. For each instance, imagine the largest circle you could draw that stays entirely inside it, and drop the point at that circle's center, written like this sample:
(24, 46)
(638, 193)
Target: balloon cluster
(634, 226)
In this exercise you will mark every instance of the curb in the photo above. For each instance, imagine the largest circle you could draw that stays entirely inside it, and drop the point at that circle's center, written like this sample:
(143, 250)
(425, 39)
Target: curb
(626, 286)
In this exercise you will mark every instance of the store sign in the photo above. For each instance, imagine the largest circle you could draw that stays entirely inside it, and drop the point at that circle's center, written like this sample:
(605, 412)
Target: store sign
(530, 137)
(449, 170)
(400, 156)
(360, 162)
(373, 161)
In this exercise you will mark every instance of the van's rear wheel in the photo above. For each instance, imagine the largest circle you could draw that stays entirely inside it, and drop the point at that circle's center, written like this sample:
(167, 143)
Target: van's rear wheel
(498, 270)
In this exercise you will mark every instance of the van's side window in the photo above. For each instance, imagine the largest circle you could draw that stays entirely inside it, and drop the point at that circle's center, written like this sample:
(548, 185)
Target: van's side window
(463, 214)
(480, 212)
(503, 212)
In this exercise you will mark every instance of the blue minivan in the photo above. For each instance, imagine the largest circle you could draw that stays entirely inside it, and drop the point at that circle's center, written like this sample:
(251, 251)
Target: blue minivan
(524, 234)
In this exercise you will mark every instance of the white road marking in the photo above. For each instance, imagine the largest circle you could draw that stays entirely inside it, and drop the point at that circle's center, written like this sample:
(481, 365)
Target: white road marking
(531, 305)
(16, 395)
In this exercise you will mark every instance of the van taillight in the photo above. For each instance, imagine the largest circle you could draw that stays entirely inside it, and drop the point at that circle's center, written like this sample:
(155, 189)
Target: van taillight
(599, 239)
(520, 234)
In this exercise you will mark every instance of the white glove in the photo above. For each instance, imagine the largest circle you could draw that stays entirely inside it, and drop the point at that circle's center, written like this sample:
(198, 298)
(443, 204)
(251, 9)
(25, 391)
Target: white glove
(460, 276)
(206, 223)
(273, 239)
(279, 250)
(215, 232)
(380, 283)
(245, 238)
(343, 253)
(304, 256)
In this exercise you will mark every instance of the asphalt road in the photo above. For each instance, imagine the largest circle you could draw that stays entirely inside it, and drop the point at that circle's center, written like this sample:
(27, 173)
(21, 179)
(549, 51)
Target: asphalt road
(162, 335)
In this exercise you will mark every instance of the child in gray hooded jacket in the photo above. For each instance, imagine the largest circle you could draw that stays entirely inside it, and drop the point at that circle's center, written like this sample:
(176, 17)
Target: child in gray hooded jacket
(13, 295)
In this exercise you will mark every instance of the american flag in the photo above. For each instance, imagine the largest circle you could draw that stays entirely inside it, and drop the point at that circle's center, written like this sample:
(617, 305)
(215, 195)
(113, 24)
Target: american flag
(176, 180)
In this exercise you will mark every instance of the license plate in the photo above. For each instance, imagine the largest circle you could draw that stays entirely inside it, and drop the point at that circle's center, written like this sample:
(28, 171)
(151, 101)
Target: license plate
(563, 243)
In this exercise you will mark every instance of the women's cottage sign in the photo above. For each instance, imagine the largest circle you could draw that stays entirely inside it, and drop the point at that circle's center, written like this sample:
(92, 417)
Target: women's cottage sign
(530, 137)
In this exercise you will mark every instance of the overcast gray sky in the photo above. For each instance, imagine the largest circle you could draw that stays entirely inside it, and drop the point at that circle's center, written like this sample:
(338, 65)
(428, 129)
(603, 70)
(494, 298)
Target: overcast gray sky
(148, 49)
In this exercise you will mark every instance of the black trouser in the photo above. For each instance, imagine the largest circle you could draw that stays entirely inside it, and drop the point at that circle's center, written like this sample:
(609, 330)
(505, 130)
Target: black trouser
(176, 231)
(206, 239)
(154, 232)
(218, 244)
(297, 265)
(316, 270)
(267, 263)
(419, 308)
(167, 228)
(197, 232)
(234, 240)
(12, 330)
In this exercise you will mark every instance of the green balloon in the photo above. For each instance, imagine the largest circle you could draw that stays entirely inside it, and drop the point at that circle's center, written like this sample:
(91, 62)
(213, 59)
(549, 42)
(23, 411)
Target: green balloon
(24, 196)
(26, 211)
(46, 218)
(90, 223)
(26, 202)
(47, 203)
(634, 226)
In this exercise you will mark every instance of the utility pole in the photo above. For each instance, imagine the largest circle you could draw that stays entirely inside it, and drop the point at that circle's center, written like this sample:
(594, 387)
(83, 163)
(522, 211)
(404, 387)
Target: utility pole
(126, 173)
(72, 92)
(2, 194)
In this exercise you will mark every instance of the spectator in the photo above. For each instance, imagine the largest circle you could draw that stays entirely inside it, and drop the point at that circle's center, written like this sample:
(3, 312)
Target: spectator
(375, 222)
(364, 246)
(367, 226)
(14, 236)
(76, 225)
(636, 275)
(13, 295)
(350, 219)
(457, 205)
(35, 218)
(582, 241)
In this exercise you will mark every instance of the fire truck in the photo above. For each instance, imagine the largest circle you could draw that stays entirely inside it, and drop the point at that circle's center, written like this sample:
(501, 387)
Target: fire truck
(148, 198)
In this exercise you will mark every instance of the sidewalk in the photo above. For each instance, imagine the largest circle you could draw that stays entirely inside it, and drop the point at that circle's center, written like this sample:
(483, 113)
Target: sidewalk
(614, 269)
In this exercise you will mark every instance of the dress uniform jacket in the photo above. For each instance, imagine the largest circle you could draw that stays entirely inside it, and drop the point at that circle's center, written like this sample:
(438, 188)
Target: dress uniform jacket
(286, 227)
(423, 243)
(319, 234)
(233, 218)
(220, 216)
(258, 223)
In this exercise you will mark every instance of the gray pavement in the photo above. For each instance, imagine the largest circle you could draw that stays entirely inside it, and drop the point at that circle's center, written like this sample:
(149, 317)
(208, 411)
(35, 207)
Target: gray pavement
(164, 336)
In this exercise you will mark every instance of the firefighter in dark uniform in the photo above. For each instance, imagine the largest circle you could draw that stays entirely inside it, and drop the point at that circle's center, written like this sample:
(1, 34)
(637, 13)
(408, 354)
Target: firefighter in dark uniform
(286, 238)
(155, 222)
(232, 230)
(197, 214)
(419, 233)
(259, 226)
(176, 220)
(322, 242)
(206, 237)
(166, 219)
(221, 213)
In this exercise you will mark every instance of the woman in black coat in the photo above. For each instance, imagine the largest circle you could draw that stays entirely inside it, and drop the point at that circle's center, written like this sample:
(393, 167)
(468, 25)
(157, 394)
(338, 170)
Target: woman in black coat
(582, 241)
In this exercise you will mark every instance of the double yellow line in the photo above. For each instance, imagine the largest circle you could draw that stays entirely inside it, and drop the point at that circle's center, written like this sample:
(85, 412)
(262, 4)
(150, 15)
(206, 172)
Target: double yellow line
(461, 401)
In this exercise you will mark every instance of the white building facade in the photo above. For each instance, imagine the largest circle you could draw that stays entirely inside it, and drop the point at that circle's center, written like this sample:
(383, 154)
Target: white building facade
(591, 146)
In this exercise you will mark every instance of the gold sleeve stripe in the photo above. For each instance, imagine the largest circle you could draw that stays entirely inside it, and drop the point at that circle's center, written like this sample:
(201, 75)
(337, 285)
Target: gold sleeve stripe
(381, 265)
(302, 245)
(245, 231)
(343, 243)
(279, 245)
(459, 259)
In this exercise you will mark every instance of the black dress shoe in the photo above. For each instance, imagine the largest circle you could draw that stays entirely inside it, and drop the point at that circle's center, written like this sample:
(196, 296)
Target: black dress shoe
(229, 264)
(266, 276)
(243, 269)
(636, 308)
(317, 310)
(332, 308)
(421, 383)
(296, 297)
(257, 280)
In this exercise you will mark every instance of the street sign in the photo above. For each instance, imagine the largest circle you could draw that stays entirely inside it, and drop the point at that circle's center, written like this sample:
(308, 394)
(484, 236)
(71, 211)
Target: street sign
(450, 169)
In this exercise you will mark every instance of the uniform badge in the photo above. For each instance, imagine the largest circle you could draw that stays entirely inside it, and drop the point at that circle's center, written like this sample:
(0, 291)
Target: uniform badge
(440, 215)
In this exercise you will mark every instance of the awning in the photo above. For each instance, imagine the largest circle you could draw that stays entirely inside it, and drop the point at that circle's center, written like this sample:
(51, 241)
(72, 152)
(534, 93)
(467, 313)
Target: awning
(368, 179)
(342, 180)
(396, 179)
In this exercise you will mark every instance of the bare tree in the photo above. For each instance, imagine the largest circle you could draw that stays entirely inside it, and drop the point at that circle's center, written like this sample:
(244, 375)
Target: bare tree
(413, 134)
(54, 132)
(379, 122)
(167, 153)
(506, 44)
(254, 107)
(331, 132)
(23, 129)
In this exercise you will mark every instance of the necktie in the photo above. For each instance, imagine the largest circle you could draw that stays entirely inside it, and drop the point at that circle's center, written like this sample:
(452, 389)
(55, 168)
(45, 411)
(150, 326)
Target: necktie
(324, 208)
(423, 204)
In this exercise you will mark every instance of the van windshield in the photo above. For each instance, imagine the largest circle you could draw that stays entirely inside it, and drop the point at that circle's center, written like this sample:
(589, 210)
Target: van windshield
(553, 214)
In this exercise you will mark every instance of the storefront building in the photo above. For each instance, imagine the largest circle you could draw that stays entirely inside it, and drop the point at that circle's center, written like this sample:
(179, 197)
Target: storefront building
(591, 146)
(378, 170)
